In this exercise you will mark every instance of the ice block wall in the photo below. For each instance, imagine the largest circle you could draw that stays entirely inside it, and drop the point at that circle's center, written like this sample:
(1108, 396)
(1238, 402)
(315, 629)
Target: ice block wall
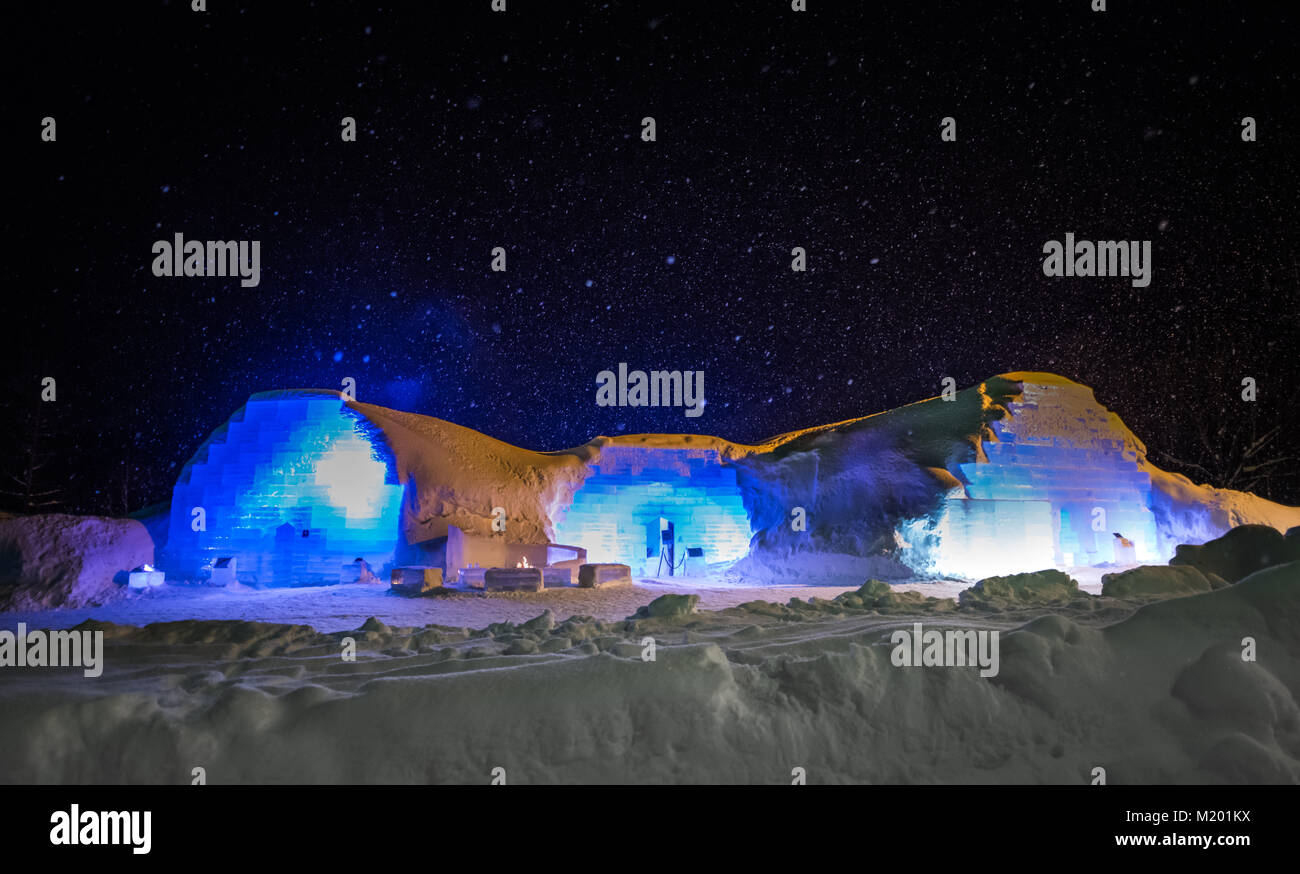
(616, 512)
(1060, 482)
(294, 487)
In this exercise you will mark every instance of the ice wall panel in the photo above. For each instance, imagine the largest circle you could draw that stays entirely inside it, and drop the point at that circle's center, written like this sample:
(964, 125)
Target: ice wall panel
(1060, 452)
(988, 538)
(615, 514)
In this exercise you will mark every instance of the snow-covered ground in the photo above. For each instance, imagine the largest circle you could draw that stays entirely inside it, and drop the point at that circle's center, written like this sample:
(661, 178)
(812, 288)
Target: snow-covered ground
(336, 608)
(1159, 694)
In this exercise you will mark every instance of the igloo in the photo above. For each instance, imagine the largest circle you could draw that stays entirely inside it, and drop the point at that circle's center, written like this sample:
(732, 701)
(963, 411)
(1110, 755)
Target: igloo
(294, 487)
(1059, 486)
(635, 494)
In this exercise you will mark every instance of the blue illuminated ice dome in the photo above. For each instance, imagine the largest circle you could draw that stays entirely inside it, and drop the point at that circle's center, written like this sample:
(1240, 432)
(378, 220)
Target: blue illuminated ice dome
(1060, 486)
(633, 492)
(294, 487)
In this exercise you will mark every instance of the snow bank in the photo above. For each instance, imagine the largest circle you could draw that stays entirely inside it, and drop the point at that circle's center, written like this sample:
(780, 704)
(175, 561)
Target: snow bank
(740, 695)
(1020, 590)
(1159, 581)
(1241, 552)
(1190, 513)
(58, 560)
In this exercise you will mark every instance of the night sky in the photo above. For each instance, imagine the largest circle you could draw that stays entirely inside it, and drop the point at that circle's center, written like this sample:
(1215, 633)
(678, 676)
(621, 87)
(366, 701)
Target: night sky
(775, 129)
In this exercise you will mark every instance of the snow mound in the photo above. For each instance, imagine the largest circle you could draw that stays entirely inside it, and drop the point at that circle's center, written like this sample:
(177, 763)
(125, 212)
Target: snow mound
(1157, 581)
(743, 695)
(57, 560)
(1241, 552)
(1020, 590)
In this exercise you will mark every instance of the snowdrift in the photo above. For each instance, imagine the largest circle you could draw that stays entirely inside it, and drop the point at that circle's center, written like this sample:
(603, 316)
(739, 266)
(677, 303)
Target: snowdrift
(57, 560)
(742, 695)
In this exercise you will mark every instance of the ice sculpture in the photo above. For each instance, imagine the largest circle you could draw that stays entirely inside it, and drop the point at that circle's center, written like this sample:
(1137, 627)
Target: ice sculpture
(295, 486)
(1061, 487)
(617, 513)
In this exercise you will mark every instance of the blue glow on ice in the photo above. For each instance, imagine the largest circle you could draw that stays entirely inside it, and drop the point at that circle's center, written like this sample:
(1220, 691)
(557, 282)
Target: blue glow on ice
(616, 513)
(284, 464)
(1059, 483)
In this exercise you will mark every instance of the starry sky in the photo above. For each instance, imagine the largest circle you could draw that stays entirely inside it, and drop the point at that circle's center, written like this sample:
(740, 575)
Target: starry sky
(775, 129)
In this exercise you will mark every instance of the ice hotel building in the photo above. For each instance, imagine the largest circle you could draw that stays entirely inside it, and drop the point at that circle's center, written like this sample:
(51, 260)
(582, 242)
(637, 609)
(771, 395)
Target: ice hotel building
(1022, 472)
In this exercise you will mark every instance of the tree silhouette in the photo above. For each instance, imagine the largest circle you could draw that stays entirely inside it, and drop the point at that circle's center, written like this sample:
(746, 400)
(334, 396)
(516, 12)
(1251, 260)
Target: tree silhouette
(32, 449)
(1234, 451)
